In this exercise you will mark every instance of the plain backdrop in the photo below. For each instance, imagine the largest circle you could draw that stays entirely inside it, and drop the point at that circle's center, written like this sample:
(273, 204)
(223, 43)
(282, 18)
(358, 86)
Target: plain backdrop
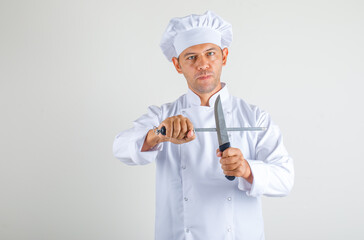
(74, 73)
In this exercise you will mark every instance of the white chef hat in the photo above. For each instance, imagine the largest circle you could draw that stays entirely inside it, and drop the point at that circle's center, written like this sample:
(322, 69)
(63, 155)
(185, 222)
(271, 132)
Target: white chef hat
(193, 29)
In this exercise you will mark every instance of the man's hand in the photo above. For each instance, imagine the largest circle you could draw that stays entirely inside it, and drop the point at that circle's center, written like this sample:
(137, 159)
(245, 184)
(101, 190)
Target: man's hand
(179, 129)
(234, 164)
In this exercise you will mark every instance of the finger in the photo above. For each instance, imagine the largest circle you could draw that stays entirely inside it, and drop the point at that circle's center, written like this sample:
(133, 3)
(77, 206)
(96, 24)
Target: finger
(231, 173)
(183, 131)
(230, 167)
(229, 160)
(240, 171)
(189, 125)
(218, 153)
(190, 136)
(228, 152)
(176, 127)
(232, 152)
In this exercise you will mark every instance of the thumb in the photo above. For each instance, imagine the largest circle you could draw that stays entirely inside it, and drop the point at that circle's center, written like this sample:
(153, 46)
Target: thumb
(218, 153)
(190, 134)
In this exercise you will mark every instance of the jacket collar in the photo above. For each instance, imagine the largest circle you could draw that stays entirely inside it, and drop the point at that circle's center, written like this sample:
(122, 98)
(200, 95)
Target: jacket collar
(193, 100)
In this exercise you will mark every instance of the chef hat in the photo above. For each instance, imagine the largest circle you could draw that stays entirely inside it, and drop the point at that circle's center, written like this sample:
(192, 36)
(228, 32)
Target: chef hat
(193, 29)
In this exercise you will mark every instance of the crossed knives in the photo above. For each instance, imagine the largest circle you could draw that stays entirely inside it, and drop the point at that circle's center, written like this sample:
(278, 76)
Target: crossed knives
(221, 129)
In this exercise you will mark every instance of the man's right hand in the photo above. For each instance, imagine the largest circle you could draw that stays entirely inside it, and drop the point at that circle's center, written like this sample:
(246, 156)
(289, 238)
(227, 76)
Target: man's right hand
(179, 129)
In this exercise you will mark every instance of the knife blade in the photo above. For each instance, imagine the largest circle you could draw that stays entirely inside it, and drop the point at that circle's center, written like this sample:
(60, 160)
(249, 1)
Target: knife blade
(222, 135)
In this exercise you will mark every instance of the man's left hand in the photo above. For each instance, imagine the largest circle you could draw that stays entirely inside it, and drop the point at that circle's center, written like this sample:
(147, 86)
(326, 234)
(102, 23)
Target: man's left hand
(234, 164)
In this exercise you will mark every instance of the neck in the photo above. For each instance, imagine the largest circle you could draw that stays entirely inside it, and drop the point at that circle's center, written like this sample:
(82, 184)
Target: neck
(205, 97)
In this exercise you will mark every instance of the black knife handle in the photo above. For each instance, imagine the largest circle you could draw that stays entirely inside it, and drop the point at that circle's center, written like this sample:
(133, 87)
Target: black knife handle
(163, 130)
(223, 148)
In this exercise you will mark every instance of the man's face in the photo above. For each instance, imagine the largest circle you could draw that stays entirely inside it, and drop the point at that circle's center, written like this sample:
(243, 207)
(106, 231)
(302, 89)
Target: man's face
(201, 65)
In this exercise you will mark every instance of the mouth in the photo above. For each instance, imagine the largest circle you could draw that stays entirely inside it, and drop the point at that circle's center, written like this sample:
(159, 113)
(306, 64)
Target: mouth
(204, 77)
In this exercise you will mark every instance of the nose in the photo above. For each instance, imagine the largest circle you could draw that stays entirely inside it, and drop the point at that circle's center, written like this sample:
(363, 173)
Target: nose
(202, 63)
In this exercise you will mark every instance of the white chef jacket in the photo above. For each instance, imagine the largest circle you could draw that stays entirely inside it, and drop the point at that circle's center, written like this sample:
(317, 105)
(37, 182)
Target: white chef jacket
(194, 200)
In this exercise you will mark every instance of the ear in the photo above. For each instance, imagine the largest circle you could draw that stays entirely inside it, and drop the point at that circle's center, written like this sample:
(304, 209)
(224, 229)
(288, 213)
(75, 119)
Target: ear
(225, 53)
(176, 64)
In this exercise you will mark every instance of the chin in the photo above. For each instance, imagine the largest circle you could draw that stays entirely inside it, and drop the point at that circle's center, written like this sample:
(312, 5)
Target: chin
(207, 89)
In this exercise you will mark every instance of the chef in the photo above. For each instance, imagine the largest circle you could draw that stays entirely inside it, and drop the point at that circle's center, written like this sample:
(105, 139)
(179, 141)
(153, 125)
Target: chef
(194, 200)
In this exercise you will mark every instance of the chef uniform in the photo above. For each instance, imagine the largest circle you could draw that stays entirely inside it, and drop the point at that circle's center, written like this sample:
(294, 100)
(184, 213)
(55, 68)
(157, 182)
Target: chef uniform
(194, 200)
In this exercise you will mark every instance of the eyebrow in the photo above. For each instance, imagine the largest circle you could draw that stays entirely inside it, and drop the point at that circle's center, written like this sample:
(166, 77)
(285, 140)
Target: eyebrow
(191, 53)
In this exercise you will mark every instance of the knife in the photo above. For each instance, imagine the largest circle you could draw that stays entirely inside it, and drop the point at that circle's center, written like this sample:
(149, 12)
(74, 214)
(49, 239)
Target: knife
(221, 129)
(222, 135)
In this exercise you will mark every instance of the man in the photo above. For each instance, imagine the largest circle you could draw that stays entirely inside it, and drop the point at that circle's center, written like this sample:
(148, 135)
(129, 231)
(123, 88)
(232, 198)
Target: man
(194, 200)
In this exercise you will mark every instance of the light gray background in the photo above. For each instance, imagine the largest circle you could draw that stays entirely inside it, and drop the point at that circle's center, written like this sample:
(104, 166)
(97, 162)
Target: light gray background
(75, 73)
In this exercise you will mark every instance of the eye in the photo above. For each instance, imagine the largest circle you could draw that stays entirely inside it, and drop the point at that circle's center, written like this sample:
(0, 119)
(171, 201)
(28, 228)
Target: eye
(191, 58)
(211, 53)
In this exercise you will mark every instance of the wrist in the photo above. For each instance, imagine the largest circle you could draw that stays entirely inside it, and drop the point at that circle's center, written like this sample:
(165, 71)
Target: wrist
(248, 176)
(150, 141)
(152, 138)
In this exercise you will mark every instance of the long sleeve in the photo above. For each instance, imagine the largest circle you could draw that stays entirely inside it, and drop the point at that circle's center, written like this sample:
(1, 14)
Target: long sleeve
(273, 168)
(127, 144)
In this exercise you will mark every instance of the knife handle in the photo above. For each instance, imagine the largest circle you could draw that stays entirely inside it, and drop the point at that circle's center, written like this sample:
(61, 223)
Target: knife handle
(163, 130)
(223, 148)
